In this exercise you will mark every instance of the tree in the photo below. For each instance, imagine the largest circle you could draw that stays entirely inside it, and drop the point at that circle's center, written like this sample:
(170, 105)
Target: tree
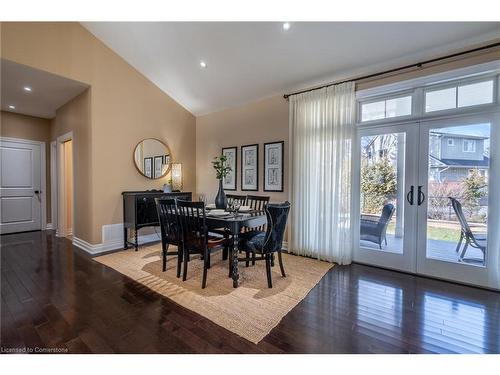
(474, 189)
(378, 184)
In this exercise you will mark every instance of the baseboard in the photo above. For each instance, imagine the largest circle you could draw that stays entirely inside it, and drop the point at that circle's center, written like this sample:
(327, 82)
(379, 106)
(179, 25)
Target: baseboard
(49, 226)
(284, 245)
(112, 240)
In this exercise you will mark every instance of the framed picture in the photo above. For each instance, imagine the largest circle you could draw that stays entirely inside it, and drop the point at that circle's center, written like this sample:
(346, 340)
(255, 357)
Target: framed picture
(250, 168)
(148, 167)
(158, 166)
(229, 182)
(273, 166)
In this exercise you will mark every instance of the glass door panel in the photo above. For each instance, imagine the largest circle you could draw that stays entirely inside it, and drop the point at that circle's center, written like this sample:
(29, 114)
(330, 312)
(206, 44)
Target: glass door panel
(456, 211)
(385, 215)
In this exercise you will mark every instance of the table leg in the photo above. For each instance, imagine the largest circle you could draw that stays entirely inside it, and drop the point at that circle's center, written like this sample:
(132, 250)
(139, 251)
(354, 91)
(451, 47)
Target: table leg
(125, 238)
(136, 240)
(234, 255)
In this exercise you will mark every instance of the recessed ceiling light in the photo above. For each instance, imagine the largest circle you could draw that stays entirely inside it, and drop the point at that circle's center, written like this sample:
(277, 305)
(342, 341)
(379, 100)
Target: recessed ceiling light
(27, 88)
(286, 26)
(203, 64)
(12, 106)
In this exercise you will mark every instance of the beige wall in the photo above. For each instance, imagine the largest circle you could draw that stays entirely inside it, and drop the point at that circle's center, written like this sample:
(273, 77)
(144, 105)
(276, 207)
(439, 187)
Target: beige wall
(125, 107)
(259, 122)
(33, 128)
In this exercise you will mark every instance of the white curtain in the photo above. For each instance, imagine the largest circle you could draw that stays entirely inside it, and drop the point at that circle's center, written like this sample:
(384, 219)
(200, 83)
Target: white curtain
(321, 132)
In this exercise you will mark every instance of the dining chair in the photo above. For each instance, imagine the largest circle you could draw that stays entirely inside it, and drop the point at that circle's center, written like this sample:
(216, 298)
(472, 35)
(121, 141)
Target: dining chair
(256, 203)
(239, 199)
(170, 231)
(477, 241)
(269, 242)
(195, 238)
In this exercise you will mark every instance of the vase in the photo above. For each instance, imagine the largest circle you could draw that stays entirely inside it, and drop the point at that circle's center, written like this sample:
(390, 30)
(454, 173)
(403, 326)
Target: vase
(220, 199)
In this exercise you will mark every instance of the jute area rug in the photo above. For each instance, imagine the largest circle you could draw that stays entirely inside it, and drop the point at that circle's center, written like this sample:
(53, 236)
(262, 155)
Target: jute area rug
(251, 311)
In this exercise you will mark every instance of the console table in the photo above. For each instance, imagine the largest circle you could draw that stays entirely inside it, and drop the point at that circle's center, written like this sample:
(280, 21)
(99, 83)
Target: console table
(139, 211)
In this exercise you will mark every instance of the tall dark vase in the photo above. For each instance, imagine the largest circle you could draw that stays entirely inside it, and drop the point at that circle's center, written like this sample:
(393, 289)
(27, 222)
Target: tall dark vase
(220, 199)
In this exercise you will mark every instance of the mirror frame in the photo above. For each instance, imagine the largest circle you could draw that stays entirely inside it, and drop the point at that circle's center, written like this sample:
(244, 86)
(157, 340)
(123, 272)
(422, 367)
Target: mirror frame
(169, 164)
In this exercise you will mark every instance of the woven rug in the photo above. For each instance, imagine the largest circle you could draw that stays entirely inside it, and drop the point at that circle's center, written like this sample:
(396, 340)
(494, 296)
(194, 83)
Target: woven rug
(251, 311)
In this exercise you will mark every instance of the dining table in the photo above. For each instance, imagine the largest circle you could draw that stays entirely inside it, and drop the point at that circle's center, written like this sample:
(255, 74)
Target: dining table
(233, 223)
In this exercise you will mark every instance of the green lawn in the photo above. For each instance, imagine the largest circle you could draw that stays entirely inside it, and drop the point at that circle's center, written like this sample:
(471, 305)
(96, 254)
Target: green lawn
(435, 233)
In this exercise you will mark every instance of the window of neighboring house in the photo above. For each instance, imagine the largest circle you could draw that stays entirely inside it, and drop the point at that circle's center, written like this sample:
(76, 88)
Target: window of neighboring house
(459, 96)
(469, 145)
(387, 108)
(451, 142)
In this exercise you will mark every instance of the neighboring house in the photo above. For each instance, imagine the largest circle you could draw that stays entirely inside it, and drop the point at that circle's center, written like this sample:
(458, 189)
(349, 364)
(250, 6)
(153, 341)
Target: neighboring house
(454, 156)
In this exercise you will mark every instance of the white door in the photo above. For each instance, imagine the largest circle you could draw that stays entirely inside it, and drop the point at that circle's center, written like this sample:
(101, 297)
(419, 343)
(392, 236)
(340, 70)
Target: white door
(459, 204)
(385, 203)
(20, 186)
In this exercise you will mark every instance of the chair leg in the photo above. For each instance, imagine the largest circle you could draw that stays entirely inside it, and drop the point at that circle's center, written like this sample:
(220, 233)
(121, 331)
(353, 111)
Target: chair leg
(385, 240)
(164, 256)
(206, 266)
(225, 251)
(464, 249)
(179, 260)
(253, 259)
(280, 260)
(268, 271)
(230, 263)
(460, 241)
(247, 262)
(272, 259)
(185, 267)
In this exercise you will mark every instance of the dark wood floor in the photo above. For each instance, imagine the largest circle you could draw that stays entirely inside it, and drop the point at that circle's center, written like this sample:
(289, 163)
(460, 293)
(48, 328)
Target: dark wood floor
(55, 296)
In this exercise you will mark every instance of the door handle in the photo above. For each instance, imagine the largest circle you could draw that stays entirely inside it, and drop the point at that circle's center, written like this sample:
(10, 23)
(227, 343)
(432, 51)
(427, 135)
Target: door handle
(409, 196)
(37, 192)
(421, 195)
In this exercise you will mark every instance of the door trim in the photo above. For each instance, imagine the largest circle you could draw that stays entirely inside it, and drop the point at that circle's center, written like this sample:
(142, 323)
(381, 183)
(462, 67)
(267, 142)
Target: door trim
(61, 229)
(43, 171)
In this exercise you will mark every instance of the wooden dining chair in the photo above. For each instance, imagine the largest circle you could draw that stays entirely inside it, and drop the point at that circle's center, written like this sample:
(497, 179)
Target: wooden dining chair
(239, 199)
(195, 238)
(269, 242)
(170, 231)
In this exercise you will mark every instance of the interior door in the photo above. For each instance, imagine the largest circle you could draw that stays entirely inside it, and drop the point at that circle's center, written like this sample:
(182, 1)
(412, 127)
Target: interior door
(458, 200)
(384, 205)
(20, 183)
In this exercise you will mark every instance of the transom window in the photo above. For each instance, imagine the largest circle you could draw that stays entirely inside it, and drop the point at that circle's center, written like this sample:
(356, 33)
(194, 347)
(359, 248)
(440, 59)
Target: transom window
(386, 108)
(459, 96)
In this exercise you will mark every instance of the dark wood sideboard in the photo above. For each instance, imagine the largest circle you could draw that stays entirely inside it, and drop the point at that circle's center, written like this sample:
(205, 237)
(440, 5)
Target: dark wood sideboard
(139, 211)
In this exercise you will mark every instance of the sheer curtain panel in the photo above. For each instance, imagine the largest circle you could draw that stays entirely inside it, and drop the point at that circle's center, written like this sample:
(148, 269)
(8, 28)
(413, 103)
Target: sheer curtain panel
(321, 131)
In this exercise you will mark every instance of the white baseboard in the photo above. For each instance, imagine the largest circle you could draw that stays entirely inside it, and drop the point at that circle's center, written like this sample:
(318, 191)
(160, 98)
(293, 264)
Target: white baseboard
(49, 226)
(112, 239)
(284, 246)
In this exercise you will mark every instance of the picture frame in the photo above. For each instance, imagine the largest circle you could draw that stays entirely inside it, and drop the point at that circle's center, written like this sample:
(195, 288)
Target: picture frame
(148, 167)
(230, 181)
(274, 153)
(250, 167)
(158, 166)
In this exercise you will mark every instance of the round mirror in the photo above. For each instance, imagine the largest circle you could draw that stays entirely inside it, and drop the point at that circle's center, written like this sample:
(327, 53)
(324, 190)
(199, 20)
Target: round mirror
(152, 158)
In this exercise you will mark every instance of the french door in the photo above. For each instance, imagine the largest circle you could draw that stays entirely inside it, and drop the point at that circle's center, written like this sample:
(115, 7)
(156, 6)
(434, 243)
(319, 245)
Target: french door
(428, 198)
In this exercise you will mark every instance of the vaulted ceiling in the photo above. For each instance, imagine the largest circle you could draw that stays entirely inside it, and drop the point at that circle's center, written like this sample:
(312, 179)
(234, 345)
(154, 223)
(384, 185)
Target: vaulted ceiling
(246, 61)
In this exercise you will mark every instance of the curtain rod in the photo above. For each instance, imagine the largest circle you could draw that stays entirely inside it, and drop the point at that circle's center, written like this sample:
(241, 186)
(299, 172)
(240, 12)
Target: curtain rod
(416, 65)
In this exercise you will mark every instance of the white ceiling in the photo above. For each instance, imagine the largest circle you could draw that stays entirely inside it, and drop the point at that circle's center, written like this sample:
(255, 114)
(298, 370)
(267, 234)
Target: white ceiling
(49, 91)
(252, 60)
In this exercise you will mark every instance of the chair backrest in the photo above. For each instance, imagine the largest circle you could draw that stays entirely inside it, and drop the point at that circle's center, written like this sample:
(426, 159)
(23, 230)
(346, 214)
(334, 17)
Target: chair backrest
(239, 199)
(256, 202)
(277, 215)
(386, 215)
(457, 207)
(169, 220)
(192, 220)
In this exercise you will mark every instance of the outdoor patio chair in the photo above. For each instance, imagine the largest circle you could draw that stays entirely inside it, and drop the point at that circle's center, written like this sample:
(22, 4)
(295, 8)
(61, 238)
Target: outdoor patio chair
(477, 241)
(374, 230)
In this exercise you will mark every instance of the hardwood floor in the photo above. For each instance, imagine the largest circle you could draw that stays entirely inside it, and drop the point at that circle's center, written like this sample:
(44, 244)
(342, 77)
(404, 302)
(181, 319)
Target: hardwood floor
(55, 296)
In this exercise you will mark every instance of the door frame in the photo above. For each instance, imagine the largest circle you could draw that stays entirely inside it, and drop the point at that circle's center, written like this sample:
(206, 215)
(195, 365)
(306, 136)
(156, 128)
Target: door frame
(43, 171)
(405, 261)
(61, 228)
(457, 271)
